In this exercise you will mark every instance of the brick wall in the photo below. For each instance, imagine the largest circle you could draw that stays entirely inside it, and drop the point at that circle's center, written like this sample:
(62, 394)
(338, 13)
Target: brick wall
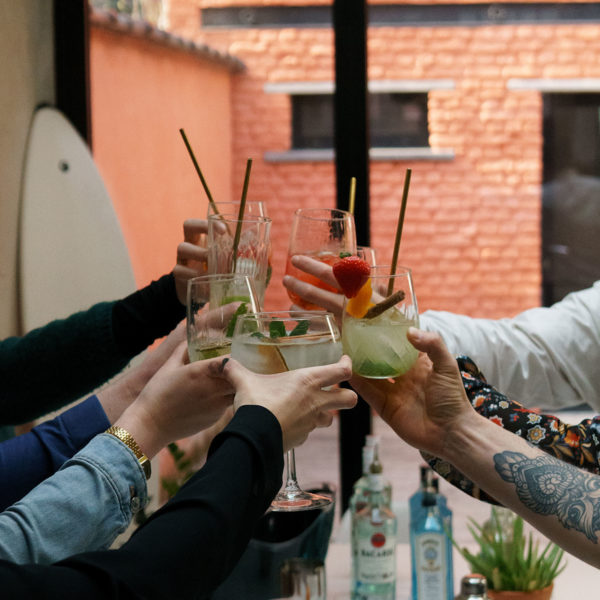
(472, 229)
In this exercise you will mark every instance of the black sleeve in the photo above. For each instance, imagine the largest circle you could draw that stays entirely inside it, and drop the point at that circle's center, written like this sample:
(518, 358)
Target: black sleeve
(146, 315)
(188, 547)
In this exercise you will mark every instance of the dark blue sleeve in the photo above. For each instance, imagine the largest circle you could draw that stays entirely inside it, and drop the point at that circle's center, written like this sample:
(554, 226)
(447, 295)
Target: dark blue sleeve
(30, 458)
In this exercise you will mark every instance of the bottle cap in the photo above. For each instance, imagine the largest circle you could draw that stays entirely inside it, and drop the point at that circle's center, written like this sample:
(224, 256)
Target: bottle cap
(473, 584)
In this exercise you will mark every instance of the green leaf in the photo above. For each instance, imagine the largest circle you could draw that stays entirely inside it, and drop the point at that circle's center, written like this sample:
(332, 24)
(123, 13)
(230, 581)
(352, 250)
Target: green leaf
(242, 309)
(301, 328)
(277, 329)
(258, 334)
(345, 254)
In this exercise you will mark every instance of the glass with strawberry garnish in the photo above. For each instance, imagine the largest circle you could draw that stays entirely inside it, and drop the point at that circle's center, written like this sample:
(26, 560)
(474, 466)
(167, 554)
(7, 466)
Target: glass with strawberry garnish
(376, 318)
(325, 234)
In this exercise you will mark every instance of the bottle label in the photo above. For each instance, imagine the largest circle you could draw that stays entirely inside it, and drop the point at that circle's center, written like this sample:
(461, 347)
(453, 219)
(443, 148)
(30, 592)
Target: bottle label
(431, 564)
(376, 557)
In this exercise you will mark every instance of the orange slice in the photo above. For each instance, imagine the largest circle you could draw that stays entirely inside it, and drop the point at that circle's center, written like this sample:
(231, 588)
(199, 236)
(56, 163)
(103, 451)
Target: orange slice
(357, 307)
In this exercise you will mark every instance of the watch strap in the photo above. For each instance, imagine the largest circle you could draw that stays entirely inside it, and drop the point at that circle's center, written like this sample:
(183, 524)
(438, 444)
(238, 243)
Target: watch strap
(129, 441)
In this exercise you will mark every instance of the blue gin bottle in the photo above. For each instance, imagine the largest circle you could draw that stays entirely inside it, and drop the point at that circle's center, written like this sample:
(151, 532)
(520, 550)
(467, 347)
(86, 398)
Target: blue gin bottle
(431, 549)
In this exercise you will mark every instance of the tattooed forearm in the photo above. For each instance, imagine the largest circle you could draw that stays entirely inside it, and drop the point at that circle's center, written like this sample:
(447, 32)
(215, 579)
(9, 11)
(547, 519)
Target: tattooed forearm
(548, 486)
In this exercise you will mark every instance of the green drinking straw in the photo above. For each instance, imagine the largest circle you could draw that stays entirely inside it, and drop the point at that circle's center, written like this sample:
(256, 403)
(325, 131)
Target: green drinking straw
(399, 230)
(238, 229)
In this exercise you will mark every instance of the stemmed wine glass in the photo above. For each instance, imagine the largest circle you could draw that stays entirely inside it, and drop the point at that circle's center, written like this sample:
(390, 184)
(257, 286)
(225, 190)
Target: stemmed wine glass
(323, 234)
(275, 342)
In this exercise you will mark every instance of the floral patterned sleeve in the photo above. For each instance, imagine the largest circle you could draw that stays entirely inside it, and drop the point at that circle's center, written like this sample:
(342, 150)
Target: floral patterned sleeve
(575, 444)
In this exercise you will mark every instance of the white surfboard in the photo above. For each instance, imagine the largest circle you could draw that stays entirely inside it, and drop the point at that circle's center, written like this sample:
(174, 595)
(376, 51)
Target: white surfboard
(72, 250)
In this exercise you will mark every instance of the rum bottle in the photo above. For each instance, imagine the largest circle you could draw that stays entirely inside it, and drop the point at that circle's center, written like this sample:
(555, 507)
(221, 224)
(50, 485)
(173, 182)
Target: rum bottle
(374, 530)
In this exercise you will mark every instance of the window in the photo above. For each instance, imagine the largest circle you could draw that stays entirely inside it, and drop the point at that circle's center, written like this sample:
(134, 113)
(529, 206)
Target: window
(395, 120)
(571, 193)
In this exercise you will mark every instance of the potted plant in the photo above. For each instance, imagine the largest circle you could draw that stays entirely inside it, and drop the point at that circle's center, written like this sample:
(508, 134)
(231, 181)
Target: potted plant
(511, 562)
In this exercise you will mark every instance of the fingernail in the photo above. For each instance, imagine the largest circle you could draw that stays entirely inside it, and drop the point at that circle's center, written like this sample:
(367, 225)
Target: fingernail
(414, 332)
(223, 363)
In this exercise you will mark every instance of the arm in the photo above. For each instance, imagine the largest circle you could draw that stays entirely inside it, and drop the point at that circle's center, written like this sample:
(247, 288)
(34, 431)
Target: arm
(52, 522)
(577, 444)
(28, 459)
(190, 545)
(429, 409)
(545, 355)
(75, 355)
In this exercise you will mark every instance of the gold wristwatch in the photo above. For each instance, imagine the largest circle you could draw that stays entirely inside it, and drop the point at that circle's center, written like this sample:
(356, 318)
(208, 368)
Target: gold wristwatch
(127, 439)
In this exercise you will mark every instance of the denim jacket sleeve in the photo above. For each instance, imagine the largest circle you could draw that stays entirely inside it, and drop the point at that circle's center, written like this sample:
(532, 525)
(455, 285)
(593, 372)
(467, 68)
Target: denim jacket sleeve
(82, 507)
(28, 459)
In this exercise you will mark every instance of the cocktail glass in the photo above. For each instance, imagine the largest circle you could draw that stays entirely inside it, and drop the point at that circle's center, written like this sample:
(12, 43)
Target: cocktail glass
(323, 234)
(368, 254)
(275, 342)
(227, 297)
(251, 256)
(375, 322)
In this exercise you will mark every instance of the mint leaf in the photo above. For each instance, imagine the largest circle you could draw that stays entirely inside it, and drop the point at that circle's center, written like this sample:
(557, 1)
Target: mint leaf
(345, 254)
(242, 309)
(300, 329)
(258, 334)
(277, 329)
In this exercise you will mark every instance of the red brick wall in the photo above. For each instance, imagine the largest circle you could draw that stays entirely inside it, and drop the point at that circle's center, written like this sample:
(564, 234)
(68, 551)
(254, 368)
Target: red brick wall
(472, 229)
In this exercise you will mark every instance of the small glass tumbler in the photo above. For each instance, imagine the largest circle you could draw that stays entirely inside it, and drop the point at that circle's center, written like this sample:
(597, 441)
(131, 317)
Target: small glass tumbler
(213, 304)
(303, 578)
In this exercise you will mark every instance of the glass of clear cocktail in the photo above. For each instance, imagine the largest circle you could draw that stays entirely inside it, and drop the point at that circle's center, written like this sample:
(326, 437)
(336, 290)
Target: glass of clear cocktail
(375, 322)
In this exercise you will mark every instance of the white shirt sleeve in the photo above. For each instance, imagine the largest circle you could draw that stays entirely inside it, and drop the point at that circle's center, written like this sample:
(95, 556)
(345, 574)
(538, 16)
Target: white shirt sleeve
(543, 357)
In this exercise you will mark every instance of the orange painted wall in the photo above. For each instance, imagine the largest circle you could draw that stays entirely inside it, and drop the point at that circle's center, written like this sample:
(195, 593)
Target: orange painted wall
(142, 92)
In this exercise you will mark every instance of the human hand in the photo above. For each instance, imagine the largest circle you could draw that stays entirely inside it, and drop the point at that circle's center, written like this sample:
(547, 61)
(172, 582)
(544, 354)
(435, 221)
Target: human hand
(191, 256)
(330, 301)
(428, 403)
(296, 398)
(119, 394)
(181, 399)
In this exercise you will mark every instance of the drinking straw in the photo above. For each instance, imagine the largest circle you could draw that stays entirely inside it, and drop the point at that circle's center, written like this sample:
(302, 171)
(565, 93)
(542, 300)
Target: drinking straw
(399, 230)
(199, 171)
(352, 195)
(238, 229)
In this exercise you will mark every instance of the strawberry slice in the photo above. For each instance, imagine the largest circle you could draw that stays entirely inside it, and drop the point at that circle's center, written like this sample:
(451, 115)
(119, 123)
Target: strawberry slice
(351, 273)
